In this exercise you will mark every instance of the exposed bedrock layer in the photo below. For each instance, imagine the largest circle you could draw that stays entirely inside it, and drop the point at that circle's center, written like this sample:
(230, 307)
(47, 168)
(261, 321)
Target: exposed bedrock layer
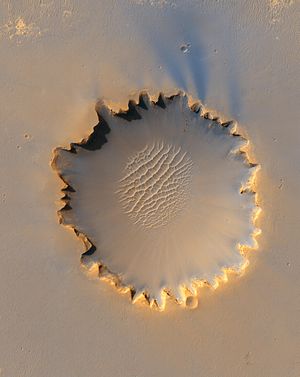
(161, 195)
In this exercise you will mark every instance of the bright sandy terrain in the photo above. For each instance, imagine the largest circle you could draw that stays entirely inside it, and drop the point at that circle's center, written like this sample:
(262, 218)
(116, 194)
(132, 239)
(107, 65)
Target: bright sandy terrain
(241, 58)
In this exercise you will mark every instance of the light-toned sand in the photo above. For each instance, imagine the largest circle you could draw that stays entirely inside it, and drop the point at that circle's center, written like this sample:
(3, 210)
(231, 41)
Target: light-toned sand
(55, 64)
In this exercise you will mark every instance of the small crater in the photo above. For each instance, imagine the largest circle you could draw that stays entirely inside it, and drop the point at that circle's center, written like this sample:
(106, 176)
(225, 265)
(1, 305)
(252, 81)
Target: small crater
(185, 48)
(191, 302)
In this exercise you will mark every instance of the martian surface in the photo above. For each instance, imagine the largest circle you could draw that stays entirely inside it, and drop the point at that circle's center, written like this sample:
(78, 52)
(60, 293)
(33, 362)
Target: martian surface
(149, 234)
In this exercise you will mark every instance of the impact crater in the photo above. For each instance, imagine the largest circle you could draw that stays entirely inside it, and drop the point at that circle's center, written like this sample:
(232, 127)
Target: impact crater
(162, 196)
